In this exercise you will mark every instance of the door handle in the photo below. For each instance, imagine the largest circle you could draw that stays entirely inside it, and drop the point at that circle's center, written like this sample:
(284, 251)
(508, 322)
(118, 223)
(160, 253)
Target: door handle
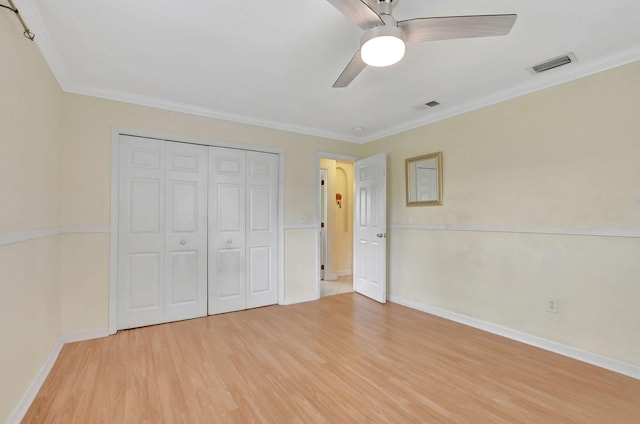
(183, 242)
(229, 241)
(381, 235)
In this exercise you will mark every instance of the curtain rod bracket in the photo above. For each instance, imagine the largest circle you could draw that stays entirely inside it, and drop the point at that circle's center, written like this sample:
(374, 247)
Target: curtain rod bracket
(27, 32)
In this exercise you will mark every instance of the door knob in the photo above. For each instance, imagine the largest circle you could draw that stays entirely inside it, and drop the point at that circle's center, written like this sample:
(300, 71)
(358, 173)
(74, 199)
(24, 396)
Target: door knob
(229, 241)
(183, 242)
(381, 235)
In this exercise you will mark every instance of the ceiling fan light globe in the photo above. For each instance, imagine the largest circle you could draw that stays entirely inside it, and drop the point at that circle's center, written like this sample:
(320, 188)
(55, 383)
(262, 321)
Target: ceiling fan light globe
(382, 51)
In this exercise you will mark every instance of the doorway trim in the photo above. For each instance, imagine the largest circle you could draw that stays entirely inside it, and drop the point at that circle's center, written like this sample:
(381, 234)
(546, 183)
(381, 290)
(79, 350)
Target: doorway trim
(333, 156)
(116, 132)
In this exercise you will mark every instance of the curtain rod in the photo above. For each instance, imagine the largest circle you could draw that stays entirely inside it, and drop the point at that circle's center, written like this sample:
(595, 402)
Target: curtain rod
(27, 33)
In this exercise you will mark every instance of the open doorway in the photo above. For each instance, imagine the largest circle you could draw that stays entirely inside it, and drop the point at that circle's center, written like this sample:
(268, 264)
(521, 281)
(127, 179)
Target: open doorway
(336, 203)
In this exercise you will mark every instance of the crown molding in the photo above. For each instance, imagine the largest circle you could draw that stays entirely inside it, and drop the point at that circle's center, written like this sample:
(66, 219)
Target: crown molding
(159, 103)
(535, 83)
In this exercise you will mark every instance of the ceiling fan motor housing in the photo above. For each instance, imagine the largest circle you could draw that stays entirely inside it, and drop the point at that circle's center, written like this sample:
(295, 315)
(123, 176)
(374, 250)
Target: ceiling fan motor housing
(390, 28)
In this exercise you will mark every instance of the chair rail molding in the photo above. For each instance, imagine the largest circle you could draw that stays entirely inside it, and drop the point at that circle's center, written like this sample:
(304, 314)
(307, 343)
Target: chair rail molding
(563, 231)
(26, 235)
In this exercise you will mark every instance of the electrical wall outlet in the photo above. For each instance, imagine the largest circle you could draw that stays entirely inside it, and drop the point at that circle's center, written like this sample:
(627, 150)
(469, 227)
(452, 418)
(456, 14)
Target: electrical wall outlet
(552, 305)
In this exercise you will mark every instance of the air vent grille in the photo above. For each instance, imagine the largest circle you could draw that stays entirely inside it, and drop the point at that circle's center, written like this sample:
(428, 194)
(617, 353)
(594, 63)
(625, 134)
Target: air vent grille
(553, 63)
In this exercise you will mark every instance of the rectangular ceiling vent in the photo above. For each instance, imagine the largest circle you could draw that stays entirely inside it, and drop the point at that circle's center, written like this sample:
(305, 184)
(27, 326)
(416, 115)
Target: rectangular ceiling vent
(553, 63)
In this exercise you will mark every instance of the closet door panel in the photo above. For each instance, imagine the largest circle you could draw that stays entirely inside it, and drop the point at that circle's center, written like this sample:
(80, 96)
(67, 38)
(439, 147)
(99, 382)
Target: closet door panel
(229, 272)
(184, 206)
(226, 230)
(228, 205)
(144, 281)
(186, 231)
(259, 198)
(162, 231)
(183, 275)
(262, 234)
(144, 205)
(141, 219)
(259, 259)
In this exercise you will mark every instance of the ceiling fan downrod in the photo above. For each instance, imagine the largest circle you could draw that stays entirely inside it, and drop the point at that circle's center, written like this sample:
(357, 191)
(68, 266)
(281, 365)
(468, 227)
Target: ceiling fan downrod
(383, 7)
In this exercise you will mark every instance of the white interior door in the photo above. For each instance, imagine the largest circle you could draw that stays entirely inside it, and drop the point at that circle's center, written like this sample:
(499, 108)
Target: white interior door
(227, 184)
(370, 235)
(161, 232)
(261, 229)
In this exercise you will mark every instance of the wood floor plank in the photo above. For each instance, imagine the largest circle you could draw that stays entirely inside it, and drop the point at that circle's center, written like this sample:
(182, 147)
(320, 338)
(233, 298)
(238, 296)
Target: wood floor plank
(342, 359)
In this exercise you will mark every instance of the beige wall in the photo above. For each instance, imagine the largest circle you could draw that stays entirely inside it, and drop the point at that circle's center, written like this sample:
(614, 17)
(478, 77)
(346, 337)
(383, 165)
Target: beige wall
(563, 159)
(86, 181)
(88, 122)
(300, 265)
(30, 104)
(84, 281)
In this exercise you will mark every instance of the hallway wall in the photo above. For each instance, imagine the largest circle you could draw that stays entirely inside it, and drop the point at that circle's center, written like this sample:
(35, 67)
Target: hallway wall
(339, 218)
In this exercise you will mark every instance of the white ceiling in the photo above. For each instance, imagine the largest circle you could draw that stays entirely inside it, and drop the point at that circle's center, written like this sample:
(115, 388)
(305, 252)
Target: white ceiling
(273, 63)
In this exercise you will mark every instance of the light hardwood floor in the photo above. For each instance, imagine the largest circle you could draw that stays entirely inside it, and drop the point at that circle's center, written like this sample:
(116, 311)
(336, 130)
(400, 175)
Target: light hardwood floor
(342, 359)
(342, 285)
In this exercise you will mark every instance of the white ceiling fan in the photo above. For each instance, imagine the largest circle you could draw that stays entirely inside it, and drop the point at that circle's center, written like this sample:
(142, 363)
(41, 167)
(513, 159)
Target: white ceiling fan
(383, 43)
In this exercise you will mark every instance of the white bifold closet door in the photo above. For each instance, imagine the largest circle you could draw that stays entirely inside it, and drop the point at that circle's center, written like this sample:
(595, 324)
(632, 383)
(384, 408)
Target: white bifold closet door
(162, 231)
(243, 237)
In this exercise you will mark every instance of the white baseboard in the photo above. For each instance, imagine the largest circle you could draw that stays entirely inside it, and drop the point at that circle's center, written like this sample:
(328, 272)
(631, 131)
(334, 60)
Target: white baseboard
(344, 272)
(80, 336)
(571, 352)
(32, 391)
(302, 299)
(23, 405)
(305, 226)
(330, 276)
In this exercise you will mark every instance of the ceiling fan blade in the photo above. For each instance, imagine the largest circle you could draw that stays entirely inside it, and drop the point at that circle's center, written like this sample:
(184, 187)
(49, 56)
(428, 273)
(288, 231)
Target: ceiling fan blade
(355, 66)
(449, 27)
(358, 12)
